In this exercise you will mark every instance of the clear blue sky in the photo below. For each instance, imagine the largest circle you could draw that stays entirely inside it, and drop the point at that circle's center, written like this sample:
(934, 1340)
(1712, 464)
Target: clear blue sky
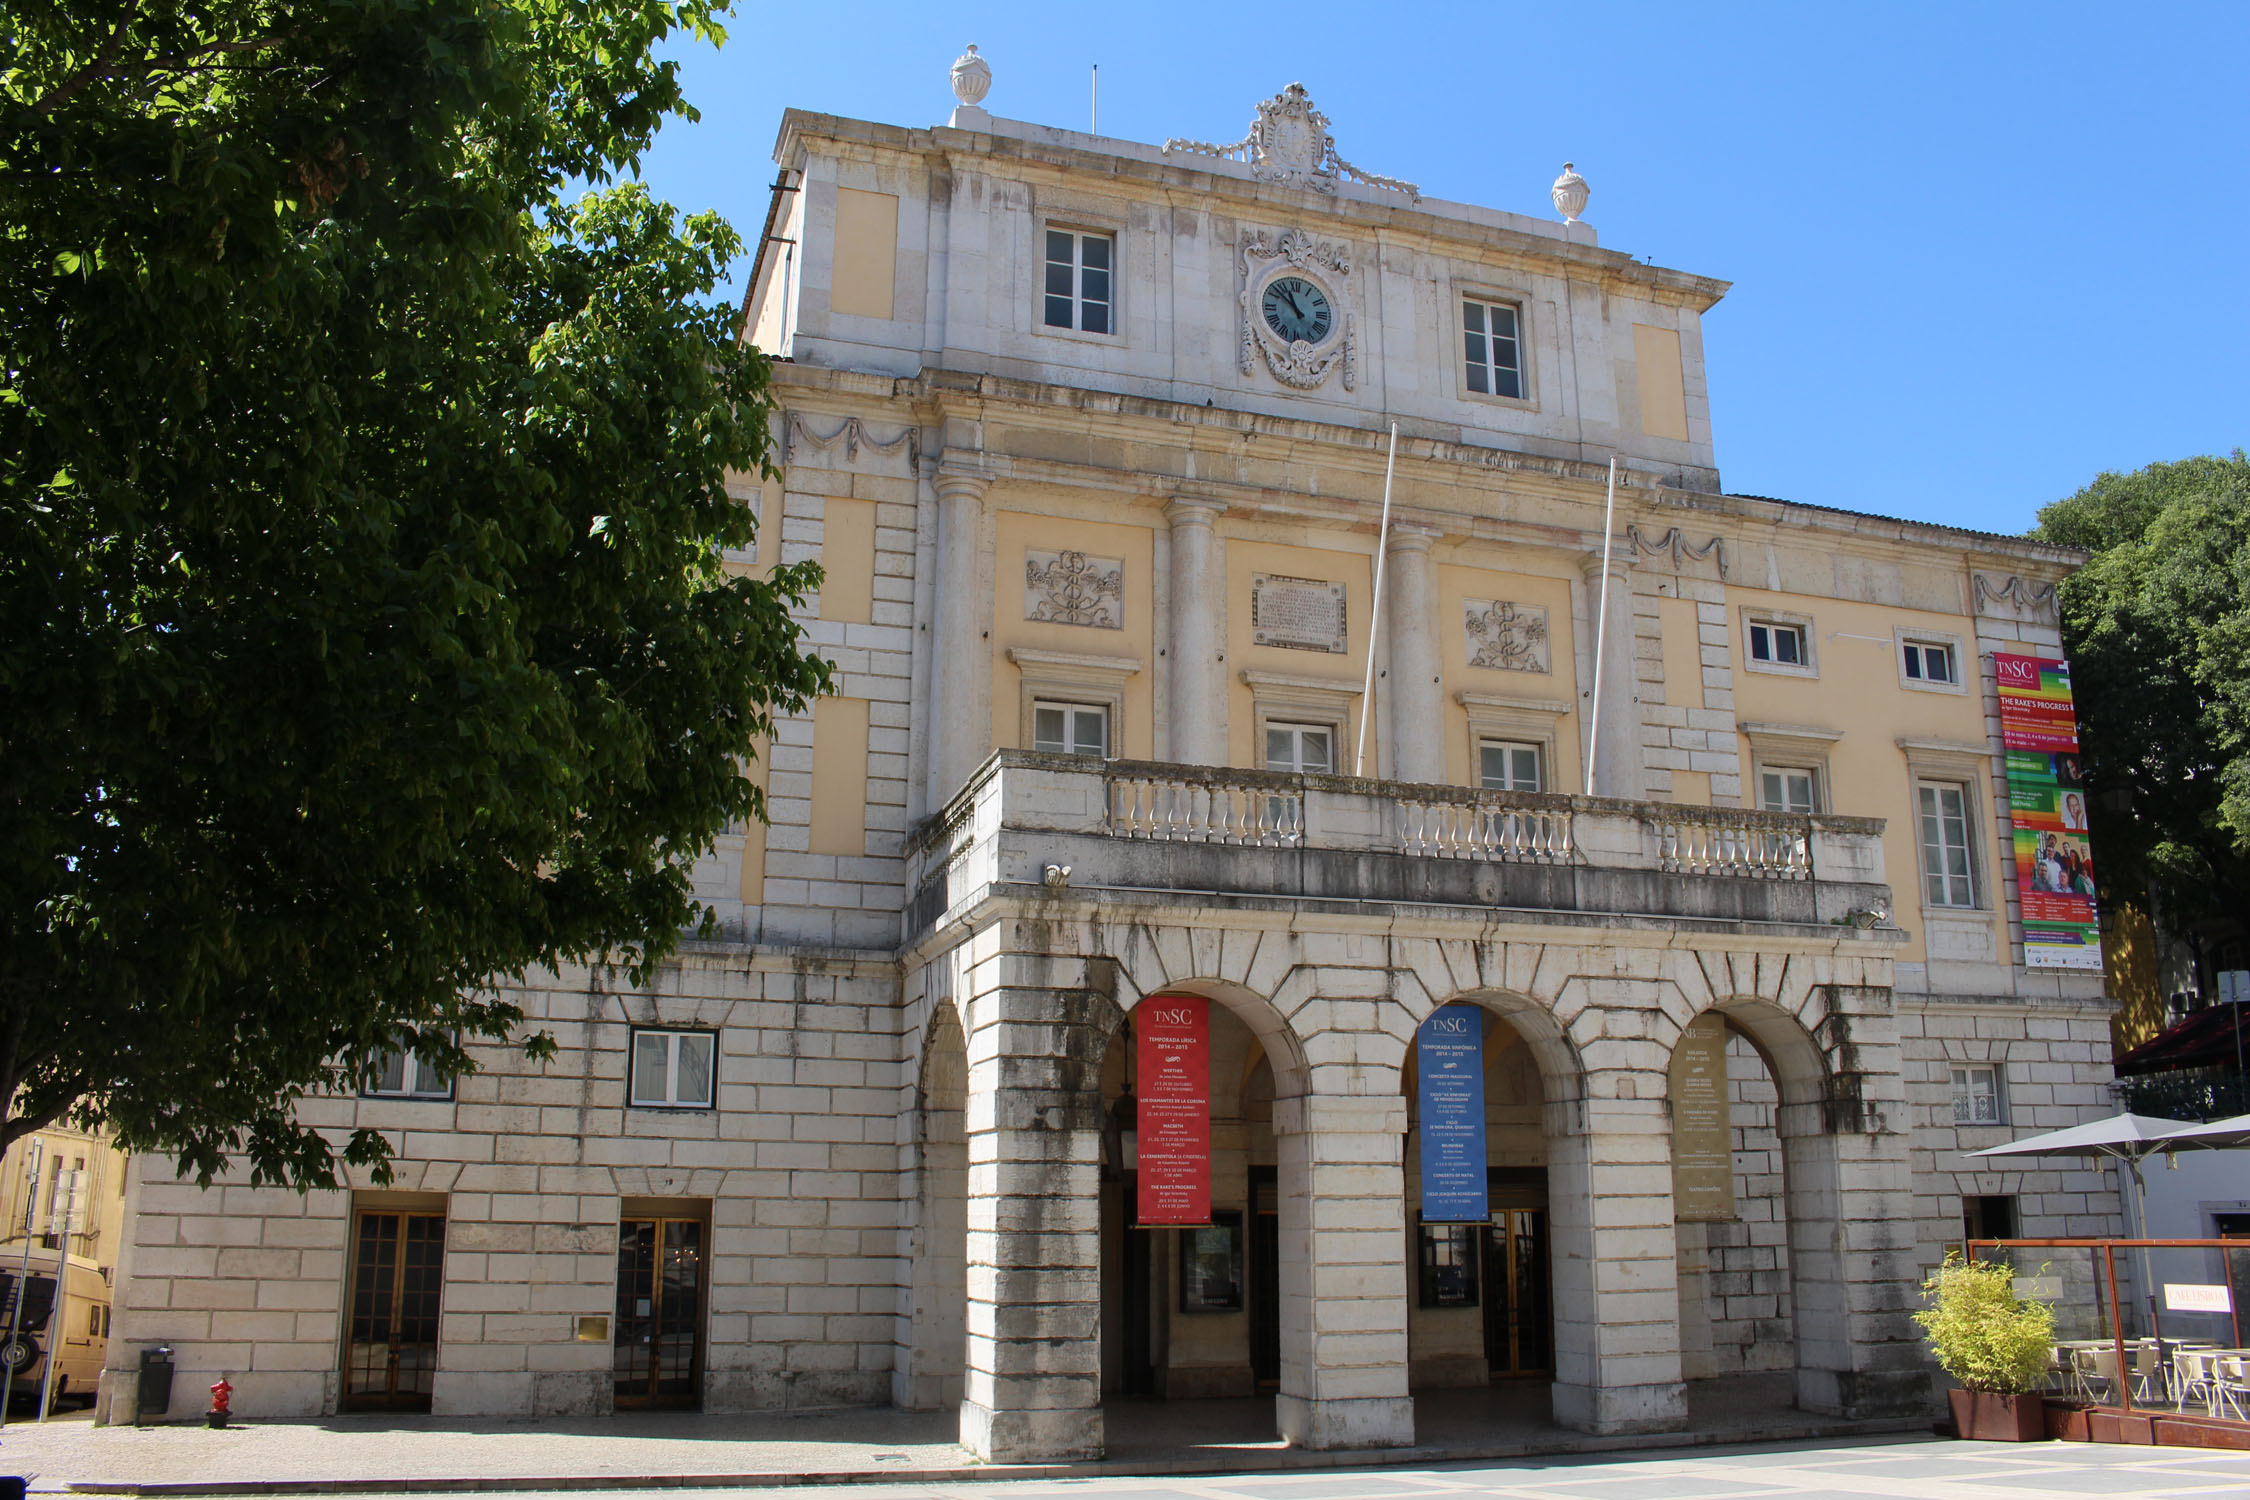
(1979, 252)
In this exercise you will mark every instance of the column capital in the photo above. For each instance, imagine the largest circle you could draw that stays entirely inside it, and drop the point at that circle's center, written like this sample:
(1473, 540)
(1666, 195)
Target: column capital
(962, 478)
(1620, 563)
(1413, 538)
(1193, 510)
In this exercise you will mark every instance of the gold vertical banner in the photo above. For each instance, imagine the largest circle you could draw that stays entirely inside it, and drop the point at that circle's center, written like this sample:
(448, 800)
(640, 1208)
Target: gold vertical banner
(1702, 1145)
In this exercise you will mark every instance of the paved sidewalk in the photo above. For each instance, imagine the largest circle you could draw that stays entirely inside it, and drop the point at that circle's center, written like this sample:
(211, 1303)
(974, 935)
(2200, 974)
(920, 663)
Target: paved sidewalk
(378, 1454)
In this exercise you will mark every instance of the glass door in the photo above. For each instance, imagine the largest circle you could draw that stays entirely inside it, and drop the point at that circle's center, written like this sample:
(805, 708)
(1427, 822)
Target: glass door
(1518, 1320)
(398, 1276)
(659, 1356)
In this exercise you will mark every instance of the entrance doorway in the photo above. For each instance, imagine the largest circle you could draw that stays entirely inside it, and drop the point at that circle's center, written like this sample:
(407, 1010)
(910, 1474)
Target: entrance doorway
(398, 1276)
(659, 1357)
(1518, 1312)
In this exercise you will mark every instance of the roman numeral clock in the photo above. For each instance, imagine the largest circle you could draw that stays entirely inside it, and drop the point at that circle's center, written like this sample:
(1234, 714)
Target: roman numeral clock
(1294, 309)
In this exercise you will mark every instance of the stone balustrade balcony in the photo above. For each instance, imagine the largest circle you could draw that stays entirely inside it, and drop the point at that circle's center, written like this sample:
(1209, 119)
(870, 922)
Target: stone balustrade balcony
(1030, 824)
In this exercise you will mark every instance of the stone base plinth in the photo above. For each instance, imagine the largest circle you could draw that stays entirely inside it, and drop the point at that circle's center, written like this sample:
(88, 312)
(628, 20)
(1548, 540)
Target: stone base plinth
(1361, 1422)
(1605, 1409)
(1031, 1437)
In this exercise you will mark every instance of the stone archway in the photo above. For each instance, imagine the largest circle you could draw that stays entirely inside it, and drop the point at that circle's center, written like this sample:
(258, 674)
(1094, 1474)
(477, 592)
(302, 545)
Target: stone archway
(932, 1375)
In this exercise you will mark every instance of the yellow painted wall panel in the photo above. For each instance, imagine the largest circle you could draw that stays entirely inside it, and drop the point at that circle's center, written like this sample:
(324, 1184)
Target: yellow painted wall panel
(753, 884)
(839, 777)
(1656, 358)
(1457, 585)
(864, 270)
(1355, 571)
(847, 560)
(1017, 533)
(1683, 653)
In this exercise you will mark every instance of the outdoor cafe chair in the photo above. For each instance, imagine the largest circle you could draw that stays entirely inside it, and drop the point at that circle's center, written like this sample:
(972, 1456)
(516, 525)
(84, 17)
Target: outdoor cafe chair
(2230, 1385)
(2095, 1372)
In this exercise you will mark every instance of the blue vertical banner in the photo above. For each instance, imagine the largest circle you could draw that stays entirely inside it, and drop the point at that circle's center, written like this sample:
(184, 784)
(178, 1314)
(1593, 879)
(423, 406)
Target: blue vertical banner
(1449, 1066)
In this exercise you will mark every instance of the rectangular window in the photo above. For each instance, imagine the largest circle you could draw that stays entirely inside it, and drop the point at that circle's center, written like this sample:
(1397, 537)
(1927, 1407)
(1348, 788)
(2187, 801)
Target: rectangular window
(1785, 789)
(1078, 281)
(1948, 877)
(1976, 1096)
(1449, 1265)
(674, 1069)
(1928, 662)
(1489, 338)
(1988, 1217)
(1782, 645)
(1508, 766)
(1300, 747)
(1070, 728)
(402, 1074)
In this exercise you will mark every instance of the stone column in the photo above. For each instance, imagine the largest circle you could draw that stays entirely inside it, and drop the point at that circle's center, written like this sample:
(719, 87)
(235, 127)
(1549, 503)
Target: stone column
(1417, 693)
(1033, 1386)
(1343, 1273)
(1199, 633)
(1617, 760)
(960, 657)
(1614, 1265)
(1852, 1258)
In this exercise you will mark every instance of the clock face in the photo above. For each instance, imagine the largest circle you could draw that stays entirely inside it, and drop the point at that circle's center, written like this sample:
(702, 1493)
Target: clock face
(1297, 310)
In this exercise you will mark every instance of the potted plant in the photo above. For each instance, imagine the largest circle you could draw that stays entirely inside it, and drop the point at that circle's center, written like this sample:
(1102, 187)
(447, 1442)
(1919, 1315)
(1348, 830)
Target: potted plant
(1997, 1344)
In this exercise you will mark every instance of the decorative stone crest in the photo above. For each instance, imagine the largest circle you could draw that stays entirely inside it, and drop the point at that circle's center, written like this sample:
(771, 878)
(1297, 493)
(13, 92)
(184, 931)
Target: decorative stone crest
(1506, 636)
(1070, 588)
(1289, 143)
(1293, 361)
(972, 77)
(1570, 191)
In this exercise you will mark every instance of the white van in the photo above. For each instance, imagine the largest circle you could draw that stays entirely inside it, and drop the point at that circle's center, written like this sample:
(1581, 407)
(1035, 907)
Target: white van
(77, 1340)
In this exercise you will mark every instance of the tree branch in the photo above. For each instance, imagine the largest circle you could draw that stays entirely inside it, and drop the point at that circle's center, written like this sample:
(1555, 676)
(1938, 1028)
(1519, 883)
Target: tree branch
(61, 93)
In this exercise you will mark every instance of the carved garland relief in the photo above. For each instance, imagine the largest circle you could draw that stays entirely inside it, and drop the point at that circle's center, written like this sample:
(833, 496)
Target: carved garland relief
(1506, 636)
(1070, 588)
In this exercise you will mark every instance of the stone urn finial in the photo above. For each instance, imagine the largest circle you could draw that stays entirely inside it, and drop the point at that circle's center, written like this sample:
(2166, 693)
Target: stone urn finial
(1571, 194)
(972, 77)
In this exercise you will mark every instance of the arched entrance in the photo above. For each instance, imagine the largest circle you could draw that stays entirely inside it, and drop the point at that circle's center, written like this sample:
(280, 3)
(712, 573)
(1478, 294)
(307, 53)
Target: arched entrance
(1195, 1312)
(1481, 1294)
(930, 1378)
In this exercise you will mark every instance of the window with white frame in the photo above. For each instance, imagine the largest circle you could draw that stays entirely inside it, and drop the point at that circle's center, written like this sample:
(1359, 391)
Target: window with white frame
(1070, 728)
(1508, 766)
(1929, 662)
(1976, 1095)
(1300, 747)
(1078, 290)
(1492, 346)
(1787, 789)
(1779, 643)
(1942, 809)
(401, 1073)
(674, 1069)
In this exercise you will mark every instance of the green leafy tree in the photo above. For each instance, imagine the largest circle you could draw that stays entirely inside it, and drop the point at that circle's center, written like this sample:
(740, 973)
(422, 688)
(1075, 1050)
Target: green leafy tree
(2157, 627)
(366, 628)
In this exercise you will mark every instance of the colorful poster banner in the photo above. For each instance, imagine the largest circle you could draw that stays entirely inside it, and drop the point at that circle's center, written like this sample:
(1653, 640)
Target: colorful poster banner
(1449, 1071)
(1172, 1037)
(2047, 800)
(1702, 1127)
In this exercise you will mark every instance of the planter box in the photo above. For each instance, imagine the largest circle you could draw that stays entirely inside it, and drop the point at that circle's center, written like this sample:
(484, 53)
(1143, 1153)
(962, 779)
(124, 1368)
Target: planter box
(1990, 1417)
(2068, 1421)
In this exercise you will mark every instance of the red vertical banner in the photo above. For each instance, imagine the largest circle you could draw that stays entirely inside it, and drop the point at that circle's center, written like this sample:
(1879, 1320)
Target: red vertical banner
(1172, 1039)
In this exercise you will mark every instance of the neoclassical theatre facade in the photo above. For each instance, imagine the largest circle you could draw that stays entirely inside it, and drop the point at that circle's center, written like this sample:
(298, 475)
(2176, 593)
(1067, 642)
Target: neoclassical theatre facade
(1144, 695)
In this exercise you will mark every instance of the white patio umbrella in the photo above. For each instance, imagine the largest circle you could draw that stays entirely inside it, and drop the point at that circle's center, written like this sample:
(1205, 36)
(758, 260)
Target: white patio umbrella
(2128, 1139)
(2217, 1135)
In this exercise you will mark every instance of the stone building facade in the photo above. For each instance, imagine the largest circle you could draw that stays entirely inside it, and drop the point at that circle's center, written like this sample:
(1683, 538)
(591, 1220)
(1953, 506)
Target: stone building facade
(1092, 440)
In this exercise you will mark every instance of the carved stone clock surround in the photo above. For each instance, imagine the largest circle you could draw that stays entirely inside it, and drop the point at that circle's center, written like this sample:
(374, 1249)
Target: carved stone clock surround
(1296, 363)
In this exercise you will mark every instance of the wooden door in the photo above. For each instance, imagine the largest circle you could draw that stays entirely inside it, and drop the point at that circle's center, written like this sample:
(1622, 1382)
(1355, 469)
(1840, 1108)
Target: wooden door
(659, 1353)
(398, 1276)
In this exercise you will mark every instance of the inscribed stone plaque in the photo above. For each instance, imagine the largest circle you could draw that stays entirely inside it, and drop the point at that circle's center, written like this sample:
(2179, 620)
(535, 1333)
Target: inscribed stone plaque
(1702, 1151)
(1070, 588)
(1510, 637)
(1303, 614)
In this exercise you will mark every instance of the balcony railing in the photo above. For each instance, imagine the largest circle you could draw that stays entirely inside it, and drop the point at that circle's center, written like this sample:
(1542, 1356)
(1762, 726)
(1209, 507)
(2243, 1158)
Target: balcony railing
(1025, 816)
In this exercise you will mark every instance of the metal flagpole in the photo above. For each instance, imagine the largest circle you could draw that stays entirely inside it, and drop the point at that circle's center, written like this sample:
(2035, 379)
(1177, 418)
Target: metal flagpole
(1375, 621)
(60, 1212)
(23, 1274)
(1601, 631)
(1094, 106)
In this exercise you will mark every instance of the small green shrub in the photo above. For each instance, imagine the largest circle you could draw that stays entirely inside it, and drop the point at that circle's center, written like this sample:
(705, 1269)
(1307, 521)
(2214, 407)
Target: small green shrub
(1983, 1334)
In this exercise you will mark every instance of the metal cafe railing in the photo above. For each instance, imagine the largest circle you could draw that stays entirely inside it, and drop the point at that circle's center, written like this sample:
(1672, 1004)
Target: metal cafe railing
(2152, 1327)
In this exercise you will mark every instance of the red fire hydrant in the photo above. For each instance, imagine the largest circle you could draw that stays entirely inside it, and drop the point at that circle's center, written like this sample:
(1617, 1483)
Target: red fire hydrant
(221, 1394)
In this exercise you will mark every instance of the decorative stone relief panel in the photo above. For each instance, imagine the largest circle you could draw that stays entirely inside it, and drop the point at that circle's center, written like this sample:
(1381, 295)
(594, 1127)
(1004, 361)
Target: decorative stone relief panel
(2014, 598)
(1509, 637)
(1070, 588)
(1300, 614)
